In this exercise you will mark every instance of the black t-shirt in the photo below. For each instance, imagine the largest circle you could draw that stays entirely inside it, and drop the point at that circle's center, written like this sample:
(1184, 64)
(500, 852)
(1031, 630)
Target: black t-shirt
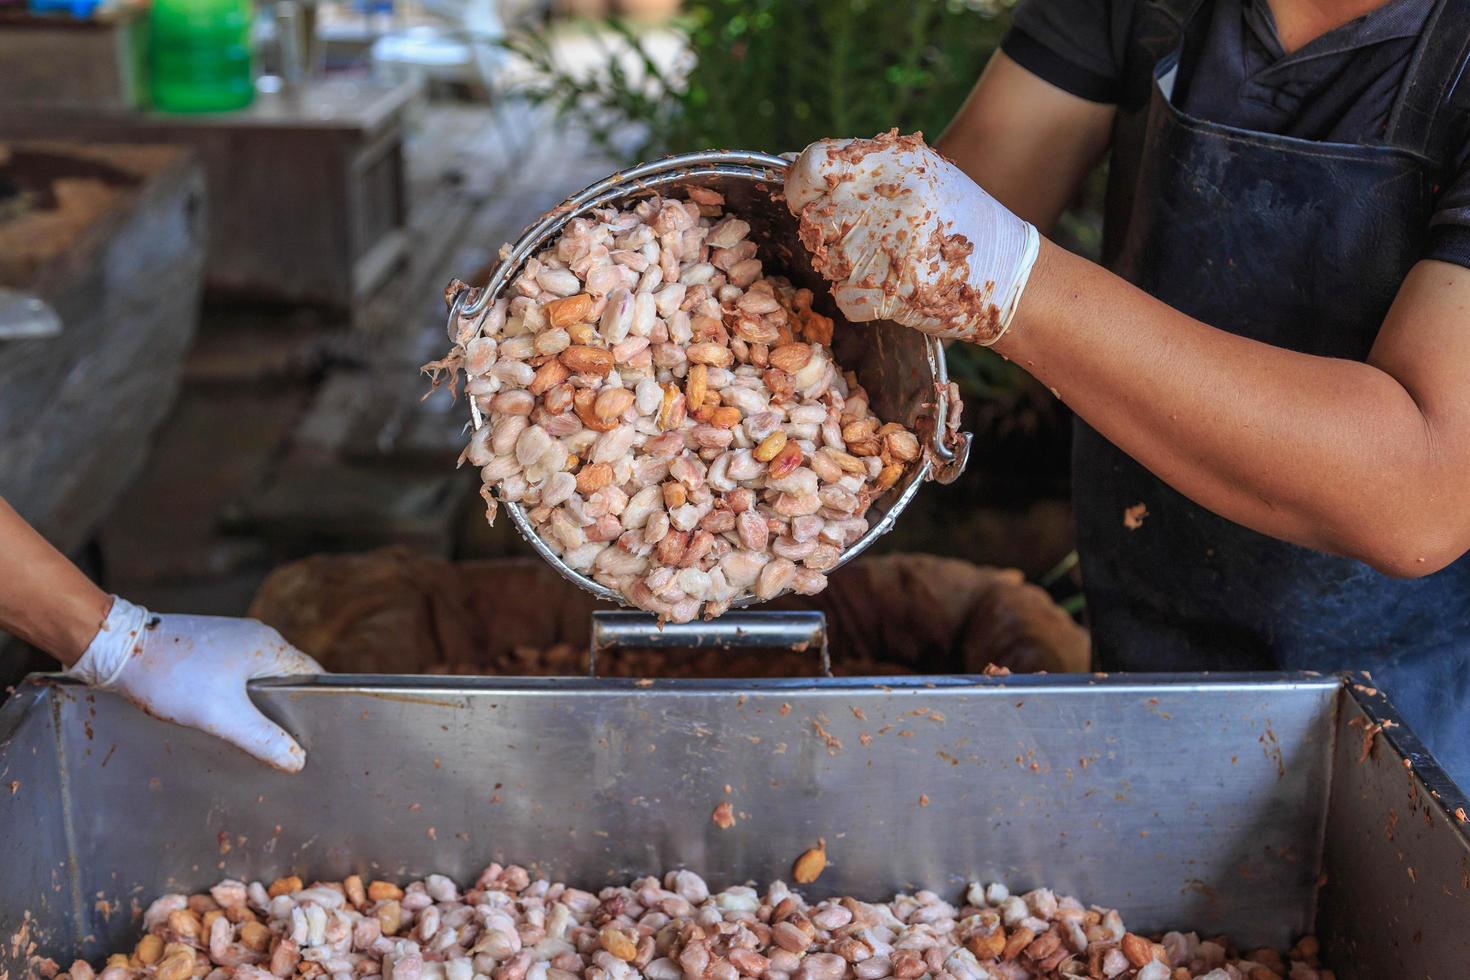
(1340, 88)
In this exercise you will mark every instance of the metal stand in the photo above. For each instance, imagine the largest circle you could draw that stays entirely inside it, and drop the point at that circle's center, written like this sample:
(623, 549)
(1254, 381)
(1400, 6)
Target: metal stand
(732, 631)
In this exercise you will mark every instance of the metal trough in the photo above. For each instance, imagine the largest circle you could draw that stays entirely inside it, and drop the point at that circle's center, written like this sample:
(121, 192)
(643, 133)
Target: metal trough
(1262, 807)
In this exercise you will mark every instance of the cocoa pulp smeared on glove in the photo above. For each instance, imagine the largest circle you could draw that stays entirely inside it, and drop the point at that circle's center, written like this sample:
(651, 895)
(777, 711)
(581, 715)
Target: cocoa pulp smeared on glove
(970, 314)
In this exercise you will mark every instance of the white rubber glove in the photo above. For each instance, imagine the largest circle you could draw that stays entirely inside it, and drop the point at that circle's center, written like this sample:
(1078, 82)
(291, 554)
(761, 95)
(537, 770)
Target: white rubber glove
(906, 236)
(192, 670)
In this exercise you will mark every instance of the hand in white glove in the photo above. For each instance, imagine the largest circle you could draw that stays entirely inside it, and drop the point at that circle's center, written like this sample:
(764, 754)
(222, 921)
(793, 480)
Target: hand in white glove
(906, 236)
(192, 670)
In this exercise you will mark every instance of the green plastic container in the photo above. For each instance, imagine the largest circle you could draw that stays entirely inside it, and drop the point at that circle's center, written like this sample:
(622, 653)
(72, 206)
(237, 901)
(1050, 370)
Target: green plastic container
(199, 55)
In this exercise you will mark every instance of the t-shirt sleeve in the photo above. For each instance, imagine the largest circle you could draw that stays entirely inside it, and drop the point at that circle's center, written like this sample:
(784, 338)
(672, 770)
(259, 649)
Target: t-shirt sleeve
(1073, 44)
(1449, 228)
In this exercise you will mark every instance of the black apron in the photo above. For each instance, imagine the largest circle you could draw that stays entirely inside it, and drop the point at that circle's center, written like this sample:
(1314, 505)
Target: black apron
(1302, 245)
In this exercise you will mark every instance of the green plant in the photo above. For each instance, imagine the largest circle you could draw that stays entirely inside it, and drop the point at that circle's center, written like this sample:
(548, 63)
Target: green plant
(786, 72)
(775, 74)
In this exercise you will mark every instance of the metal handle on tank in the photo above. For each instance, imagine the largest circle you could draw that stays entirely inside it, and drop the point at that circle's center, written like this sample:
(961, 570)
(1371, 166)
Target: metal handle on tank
(798, 630)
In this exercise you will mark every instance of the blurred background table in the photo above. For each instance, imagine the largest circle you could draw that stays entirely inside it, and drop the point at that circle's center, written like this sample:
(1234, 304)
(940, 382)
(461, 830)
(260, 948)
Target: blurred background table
(306, 186)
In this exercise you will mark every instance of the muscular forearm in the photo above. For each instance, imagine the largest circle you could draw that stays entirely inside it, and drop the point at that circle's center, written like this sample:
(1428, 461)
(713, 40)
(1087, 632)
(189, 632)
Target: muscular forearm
(45, 599)
(1034, 176)
(1332, 454)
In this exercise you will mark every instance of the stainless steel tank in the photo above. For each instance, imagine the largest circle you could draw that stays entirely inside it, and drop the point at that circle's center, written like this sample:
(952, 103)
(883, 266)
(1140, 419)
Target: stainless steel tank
(1262, 807)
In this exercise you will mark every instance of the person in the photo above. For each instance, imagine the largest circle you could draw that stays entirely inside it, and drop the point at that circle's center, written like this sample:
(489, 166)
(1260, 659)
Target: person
(1271, 365)
(191, 670)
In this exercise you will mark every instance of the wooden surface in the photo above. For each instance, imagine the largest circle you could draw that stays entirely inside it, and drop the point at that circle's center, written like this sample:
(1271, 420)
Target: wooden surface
(64, 199)
(60, 61)
(307, 192)
(114, 246)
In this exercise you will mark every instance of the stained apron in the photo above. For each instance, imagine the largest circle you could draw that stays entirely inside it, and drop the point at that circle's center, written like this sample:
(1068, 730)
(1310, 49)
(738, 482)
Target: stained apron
(1302, 245)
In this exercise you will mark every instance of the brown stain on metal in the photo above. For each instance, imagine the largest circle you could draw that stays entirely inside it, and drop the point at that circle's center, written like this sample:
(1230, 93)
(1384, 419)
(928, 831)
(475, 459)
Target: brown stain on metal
(723, 815)
(833, 743)
(414, 699)
(1202, 888)
(1272, 748)
(1370, 729)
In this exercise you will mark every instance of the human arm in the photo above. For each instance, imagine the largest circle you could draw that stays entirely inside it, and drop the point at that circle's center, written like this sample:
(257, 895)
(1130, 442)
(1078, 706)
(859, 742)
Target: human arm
(1026, 141)
(1368, 460)
(45, 600)
(191, 670)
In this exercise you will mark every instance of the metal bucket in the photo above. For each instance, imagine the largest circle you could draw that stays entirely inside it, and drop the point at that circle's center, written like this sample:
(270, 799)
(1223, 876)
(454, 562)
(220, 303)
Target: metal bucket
(903, 370)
